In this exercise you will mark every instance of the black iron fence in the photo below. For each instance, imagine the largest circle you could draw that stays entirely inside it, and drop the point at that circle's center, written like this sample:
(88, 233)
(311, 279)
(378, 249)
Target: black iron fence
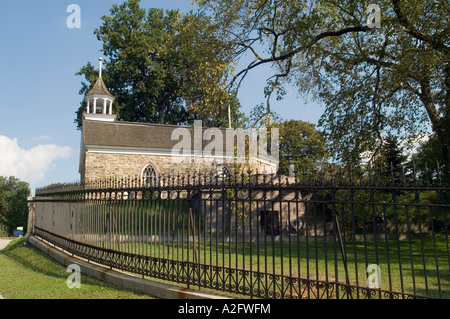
(326, 234)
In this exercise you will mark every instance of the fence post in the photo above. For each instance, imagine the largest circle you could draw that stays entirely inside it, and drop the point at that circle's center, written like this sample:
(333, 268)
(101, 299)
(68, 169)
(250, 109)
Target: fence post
(31, 215)
(191, 226)
(343, 253)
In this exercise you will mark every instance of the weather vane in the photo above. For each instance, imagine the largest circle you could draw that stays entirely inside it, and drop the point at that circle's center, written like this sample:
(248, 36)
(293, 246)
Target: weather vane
(100, 68)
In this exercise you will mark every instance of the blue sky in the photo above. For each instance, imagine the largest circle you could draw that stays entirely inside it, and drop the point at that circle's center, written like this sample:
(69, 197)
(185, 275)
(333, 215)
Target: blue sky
(39, 56)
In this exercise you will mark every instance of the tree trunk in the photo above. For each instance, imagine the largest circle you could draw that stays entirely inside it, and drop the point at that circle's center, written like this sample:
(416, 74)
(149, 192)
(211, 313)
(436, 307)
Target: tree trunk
(446, 125)
(440, 125)
(162, 113)
(163, 105)
(444, 137)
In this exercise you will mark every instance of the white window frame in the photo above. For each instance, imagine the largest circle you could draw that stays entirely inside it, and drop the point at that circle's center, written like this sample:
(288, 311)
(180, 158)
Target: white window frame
(149, 179)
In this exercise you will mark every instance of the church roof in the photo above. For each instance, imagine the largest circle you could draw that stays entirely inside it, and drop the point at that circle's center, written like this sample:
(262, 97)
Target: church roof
(99, 88)
(134, 135)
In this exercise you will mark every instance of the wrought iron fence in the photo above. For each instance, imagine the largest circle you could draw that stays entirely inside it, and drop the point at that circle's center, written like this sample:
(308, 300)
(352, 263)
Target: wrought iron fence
(325, 234)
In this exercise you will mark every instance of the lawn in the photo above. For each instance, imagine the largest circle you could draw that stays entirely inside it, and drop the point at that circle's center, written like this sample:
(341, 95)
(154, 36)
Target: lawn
(416, 267)
(28, 273)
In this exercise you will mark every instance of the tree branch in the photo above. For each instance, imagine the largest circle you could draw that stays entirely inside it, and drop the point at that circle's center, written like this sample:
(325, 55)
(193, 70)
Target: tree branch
(290, 54)
(409, 28)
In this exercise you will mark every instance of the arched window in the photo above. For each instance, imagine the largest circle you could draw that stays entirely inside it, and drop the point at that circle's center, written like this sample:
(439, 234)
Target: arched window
(149, 176)
(226, 171)
(223, 171)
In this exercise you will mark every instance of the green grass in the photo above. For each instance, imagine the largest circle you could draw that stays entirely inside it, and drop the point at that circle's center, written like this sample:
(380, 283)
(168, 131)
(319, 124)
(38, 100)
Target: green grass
(28, 273)
(412, 267)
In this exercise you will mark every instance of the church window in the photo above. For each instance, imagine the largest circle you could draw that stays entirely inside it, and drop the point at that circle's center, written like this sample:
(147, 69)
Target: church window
(223, 171)
(149, 176)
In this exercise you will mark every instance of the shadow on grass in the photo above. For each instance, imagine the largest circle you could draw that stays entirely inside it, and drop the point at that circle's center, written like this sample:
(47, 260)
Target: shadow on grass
(16, 251)
(33, 274)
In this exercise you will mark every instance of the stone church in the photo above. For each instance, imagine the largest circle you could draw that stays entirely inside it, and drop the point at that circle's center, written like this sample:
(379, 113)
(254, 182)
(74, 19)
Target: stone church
(113, 148)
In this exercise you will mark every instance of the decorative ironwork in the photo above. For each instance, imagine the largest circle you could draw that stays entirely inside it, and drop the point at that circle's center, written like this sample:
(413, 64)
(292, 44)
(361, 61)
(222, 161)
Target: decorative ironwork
(262, 236)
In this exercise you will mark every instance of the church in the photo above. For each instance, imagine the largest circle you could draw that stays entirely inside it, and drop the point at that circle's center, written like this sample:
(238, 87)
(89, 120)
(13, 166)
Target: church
(114, 148)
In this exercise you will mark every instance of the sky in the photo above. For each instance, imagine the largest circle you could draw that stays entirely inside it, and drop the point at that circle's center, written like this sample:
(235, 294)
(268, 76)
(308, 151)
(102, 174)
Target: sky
(39, 91)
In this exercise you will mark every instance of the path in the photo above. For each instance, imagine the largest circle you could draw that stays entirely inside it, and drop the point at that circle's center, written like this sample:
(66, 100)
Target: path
(4, 242)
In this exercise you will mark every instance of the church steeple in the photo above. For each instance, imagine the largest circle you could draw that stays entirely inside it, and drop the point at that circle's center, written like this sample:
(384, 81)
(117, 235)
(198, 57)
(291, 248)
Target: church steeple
(99, 101)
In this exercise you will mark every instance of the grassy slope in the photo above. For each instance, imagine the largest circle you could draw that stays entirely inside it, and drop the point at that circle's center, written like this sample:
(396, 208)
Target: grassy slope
(27, 273)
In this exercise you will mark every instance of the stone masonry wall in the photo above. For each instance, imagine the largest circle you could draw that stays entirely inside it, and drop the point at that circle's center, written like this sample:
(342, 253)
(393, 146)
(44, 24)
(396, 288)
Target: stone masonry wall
(107, 165)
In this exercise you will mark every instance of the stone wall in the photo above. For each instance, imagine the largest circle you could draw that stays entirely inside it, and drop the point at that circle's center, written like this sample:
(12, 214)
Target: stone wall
(108, 165)
(268, 211)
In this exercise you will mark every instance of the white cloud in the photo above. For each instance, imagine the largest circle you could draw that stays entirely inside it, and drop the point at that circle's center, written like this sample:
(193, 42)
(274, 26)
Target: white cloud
(28, 165)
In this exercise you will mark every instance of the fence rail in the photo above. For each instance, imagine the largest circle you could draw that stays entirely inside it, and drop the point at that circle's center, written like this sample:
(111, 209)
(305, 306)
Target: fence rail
(324, 235)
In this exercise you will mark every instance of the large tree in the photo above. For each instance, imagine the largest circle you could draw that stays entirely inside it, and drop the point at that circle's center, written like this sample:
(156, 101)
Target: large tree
(303, 145)
(13, 203)
(373, 82)
(428, 156)
(163, 67)
(300, 142)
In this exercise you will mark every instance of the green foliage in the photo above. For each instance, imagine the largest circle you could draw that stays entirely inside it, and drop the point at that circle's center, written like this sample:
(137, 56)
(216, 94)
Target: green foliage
(163, 67)
(428, 159)
(392, 214)
(389, 159)
(392, 153)
(261, 117)
(303, 144)
(299, 141)
(428, 153)
(372, 81)
(13, 203)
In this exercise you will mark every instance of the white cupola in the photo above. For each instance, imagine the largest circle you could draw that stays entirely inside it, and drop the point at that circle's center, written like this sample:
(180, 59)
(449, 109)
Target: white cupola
(99, 101)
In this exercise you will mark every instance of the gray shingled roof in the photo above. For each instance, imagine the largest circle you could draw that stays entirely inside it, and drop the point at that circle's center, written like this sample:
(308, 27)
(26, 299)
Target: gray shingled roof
(130, 134)
(99, 88)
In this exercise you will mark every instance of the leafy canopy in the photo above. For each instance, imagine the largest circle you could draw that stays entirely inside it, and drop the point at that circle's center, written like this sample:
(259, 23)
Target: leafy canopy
(374, 82)
(163, 67)
(303, 144)
(13, 203)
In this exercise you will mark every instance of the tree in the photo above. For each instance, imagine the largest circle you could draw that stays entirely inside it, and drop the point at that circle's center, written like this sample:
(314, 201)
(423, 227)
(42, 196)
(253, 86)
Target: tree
(428, 158)
(303, 144)
(373, 81)
(13, 203)
(390, 155)
(300, 142)
(428, 153)
(389, 161)
(163, 67)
